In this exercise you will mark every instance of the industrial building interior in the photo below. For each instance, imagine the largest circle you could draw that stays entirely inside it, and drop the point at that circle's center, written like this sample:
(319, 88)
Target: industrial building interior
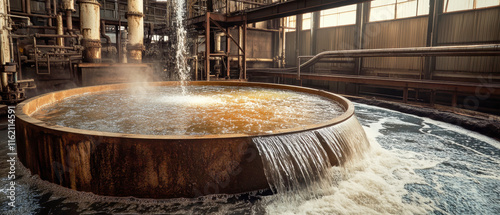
(47, 47)
(437, 59)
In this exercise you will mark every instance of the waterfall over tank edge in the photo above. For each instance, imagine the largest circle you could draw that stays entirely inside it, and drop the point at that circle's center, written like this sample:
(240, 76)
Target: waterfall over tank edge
(298, 161)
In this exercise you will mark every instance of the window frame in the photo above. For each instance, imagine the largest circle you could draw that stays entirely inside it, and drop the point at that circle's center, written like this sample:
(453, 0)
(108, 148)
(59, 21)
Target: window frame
(338, 14)
(395, 9)
(474, 7)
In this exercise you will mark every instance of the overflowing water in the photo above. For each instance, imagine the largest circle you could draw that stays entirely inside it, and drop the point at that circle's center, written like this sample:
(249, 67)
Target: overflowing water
(181, 54)
(414, 166)
(206, 110)
(293, 162)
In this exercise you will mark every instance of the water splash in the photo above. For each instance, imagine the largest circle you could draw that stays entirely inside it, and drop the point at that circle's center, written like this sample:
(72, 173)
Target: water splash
(181, 54)
(298, 163)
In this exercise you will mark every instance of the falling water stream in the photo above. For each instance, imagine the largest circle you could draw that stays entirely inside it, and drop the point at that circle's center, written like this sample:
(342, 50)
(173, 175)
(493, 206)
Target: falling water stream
(181, 54)
(293, 162)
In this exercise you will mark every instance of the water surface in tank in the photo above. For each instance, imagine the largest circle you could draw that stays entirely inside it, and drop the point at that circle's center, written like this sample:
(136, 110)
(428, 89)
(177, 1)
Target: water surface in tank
(415, 166)
(165, 110)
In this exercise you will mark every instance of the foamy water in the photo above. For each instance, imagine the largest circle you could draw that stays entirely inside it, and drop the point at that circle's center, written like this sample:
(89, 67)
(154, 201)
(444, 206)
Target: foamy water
(205, 110)
(414, 166)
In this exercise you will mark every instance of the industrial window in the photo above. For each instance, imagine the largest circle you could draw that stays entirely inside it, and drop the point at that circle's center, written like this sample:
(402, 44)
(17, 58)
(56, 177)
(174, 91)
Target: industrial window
(396, 9)
(290, 23)
(339, 16)
(458, 5)
(306, 21)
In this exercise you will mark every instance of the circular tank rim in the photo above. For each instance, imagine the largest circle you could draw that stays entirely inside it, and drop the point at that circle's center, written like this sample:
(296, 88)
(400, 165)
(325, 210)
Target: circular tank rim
(59, 95)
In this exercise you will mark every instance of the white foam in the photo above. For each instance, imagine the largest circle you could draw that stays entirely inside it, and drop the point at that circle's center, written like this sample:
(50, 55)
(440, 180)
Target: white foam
(374, 185)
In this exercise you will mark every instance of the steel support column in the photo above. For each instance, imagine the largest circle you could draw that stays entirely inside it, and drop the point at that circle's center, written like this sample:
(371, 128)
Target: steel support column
(435, 9)
(315, 17)
(298, 29)
(244, 50)
(362, 15)
(207, 46)
(228, 53)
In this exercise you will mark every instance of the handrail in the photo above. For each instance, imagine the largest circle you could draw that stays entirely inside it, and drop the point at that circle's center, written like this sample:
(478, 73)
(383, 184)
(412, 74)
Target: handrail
(466, 50)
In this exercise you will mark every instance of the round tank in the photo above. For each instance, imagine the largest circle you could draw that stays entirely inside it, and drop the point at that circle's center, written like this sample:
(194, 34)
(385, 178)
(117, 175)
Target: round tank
(148, 166)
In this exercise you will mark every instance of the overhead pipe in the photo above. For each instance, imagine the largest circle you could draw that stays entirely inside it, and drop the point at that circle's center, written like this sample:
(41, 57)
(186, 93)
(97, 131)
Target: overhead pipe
(466, 50)
(89, 27)
(135, 18)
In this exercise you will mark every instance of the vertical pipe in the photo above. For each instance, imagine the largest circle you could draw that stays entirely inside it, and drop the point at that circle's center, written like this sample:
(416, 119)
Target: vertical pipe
(135, 18)
(23, 5)
(118, 41)
(28, 6)
(4, 44)
(207, 46)
(228, 52)
(124, 42)
(245, 48)
(69, 20)
(4, 34)
(60, 31)
(69, 7)
(240, 53)
(283, 42)
(218, 42)
(298, 28)
(315, 16)
(89, 26)
(48, 11)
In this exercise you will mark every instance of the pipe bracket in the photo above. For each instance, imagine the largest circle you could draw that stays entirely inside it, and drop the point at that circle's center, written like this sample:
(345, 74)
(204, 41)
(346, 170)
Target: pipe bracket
(140, 47)
(134, 13)
(90, 43)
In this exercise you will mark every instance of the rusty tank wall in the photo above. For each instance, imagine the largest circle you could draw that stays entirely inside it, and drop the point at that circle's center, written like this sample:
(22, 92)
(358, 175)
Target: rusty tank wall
(144, 165)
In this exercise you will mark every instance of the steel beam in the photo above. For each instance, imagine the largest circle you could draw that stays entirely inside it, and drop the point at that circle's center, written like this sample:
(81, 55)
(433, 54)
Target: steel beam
(290, 8)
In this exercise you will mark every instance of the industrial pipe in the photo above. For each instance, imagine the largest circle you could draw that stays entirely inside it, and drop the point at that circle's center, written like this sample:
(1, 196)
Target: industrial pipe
(135, 18)
(89, 26)
(103, 33)
(124, 42)
(69, 7)
(48, 11)
(4, 43)
(468, 50)
(60, 30)
(218, 38)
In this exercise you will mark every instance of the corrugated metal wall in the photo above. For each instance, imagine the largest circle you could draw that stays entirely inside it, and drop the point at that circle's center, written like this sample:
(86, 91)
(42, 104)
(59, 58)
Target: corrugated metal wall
(259, 43)
(469, 27)
(400, 33)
